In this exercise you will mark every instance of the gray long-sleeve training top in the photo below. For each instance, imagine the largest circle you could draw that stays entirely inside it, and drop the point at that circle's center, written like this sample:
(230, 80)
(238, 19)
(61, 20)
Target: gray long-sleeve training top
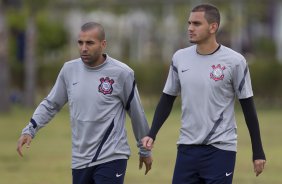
(98, 98)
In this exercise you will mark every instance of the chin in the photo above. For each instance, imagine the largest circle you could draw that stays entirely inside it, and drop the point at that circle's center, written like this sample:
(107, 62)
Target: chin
(86, 62)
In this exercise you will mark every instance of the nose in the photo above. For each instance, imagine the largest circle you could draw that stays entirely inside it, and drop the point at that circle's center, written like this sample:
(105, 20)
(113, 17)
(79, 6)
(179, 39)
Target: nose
(83, 47)
(190, 27)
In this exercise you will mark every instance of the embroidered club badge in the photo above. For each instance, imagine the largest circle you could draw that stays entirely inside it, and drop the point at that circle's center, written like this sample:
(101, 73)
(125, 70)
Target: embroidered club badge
(106, 86)
(217, 73)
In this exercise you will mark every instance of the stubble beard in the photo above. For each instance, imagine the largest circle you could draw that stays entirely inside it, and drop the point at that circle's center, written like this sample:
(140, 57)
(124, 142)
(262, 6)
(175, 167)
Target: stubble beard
(91, 60)
(192, 41)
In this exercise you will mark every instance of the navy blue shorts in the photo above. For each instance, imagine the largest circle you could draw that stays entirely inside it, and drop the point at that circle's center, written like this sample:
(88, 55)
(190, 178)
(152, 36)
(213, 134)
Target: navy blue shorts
(107, 173)
(203, 164)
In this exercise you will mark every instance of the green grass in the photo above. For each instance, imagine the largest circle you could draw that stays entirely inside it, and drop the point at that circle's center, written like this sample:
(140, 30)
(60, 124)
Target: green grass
(48, 160)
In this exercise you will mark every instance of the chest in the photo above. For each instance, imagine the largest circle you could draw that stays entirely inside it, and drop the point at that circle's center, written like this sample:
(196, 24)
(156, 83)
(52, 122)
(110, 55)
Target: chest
(93, 86)
(205, 75)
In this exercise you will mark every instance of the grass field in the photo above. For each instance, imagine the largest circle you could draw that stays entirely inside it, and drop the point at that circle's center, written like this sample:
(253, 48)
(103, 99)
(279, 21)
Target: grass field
(48, 160)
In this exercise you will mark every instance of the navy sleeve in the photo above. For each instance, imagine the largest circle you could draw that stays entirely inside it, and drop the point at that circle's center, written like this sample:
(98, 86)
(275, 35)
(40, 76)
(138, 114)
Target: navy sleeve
(251, 119)
(161, 113)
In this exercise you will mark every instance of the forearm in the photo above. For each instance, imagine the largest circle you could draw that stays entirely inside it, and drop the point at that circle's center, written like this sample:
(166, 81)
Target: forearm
(161, 113)
(138, 119)
(139, 122)
(41, 116)
(251, 119)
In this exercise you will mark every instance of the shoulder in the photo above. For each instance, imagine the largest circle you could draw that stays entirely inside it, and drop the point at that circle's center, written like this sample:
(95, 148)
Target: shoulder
(71, 67)
(182, 55)
(233, 55)
(185, 51)
(119, 66)
(72, 63)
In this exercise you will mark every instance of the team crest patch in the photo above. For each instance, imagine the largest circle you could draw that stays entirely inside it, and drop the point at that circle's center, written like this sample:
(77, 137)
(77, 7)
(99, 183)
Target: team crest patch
(217, 72)
(106, 86)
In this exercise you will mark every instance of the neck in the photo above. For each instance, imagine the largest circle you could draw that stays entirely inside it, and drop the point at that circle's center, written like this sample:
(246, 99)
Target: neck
(100, 61)
(207, 48)
(97, 62)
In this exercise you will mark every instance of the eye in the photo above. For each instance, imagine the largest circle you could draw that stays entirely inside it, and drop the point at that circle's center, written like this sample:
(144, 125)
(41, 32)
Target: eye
(90, 42)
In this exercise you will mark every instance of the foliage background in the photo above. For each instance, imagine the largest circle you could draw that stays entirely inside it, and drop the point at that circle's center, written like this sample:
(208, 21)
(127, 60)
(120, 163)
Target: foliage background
(246, 28)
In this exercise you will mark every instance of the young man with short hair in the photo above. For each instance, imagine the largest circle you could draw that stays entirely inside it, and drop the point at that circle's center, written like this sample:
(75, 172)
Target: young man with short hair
(208, 76)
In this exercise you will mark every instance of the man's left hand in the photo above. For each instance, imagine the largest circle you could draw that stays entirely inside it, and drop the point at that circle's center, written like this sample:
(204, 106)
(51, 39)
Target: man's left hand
(147, 161)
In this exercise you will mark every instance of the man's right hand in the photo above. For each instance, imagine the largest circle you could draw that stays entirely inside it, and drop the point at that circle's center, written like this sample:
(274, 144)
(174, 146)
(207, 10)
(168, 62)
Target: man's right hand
(24, 139)
(147, 142)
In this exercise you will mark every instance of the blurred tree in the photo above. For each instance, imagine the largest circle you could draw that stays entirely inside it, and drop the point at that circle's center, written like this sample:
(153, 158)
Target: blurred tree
(237, 25)
(277, 15)
(52, 36)
(4, 67)
(30, 62)
(30, 57)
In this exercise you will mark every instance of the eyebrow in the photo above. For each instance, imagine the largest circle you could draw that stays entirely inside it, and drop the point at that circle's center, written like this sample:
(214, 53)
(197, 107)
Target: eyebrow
(87, 41)
(194, 22)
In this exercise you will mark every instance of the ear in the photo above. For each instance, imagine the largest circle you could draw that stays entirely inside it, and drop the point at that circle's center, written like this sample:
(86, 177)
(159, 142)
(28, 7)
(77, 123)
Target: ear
(213, 27)
(104, 44)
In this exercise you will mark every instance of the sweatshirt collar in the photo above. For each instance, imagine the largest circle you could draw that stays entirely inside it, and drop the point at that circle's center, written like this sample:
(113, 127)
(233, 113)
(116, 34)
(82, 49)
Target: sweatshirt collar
(99, 66)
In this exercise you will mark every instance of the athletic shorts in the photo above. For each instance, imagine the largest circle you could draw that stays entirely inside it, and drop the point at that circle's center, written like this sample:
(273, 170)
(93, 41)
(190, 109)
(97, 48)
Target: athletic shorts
(203, 164)
(112, 172)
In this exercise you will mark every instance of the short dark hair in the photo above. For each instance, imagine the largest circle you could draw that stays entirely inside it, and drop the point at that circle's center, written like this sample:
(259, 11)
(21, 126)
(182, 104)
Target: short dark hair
(94, 25)
(211, 12)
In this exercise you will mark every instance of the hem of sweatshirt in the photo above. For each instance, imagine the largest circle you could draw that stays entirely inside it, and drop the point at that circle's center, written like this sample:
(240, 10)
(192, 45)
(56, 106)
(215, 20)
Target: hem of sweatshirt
(76, 166)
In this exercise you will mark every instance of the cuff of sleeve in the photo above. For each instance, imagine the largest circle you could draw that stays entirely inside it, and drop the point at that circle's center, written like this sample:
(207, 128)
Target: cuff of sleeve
(259, 156)
(29, 130)
(143, 152)
(153, 136)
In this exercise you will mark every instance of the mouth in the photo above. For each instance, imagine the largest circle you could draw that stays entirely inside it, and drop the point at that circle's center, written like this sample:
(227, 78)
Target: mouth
(191, 35)
(84, 56)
